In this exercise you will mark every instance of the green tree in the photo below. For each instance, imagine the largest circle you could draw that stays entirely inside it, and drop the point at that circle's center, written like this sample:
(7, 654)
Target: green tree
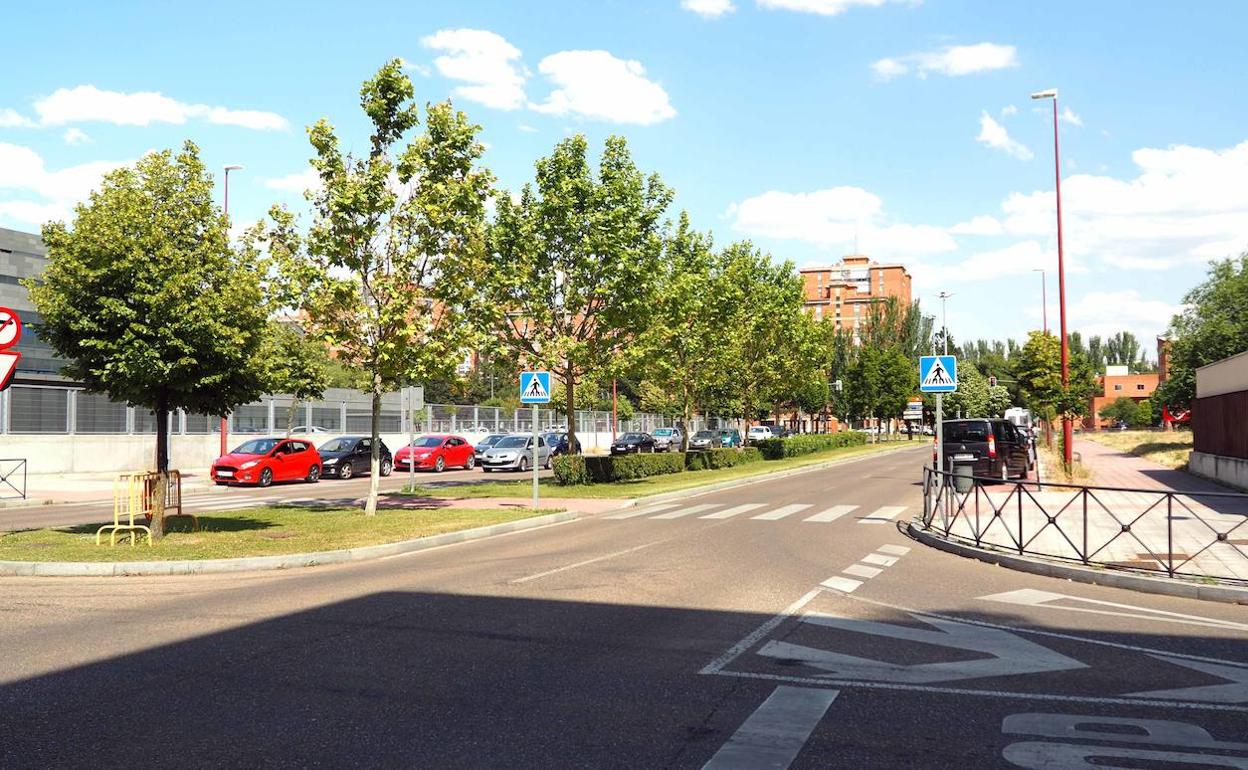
(1121, 409)
(570, 274)
(971, 399)
(146, 300)
(999, 399)
(1212, 326)
(297, 365)
(1039, 371)
(395, 234)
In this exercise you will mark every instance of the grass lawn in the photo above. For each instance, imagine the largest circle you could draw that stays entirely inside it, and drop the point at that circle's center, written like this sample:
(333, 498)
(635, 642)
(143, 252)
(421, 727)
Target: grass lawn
(255, 532)
(1168, 449)
(523, 486)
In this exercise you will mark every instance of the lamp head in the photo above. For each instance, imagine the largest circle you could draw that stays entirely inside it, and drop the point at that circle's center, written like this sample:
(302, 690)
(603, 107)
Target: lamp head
(233, 167)
(1050, 93)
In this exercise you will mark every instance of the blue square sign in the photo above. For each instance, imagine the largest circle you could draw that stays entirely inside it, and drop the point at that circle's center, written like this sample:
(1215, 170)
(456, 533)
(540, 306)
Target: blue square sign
(535, 387)
(938, 374)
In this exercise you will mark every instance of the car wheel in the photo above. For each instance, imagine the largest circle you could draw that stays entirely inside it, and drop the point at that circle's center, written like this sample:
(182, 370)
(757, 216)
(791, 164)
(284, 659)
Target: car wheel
(314, 474)
(266, 477)
(524, 464)
(472, 463)
(439, 465)
(547, 464)
(345, 471)
(387, 467)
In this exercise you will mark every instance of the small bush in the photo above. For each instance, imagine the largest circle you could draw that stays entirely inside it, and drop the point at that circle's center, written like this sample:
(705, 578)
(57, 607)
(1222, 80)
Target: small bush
(570, 470)
(795, 446)
(605, 470)
(721, 458)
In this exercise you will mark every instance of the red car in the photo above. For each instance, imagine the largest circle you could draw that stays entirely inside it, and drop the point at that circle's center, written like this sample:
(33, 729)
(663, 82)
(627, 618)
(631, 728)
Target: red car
(436, 452)
(262, 461)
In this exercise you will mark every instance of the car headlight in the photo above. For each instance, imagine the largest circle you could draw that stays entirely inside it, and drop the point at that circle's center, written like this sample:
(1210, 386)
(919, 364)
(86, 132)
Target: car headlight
(330, 461)
(248, 464)
(422, 455)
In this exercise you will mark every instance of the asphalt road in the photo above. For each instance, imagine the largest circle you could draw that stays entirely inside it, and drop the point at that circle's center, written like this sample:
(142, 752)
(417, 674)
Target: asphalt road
(789, 623)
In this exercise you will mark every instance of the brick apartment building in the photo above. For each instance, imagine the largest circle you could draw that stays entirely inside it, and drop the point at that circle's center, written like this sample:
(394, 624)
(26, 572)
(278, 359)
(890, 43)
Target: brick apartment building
(1116, 383)
(844, 291)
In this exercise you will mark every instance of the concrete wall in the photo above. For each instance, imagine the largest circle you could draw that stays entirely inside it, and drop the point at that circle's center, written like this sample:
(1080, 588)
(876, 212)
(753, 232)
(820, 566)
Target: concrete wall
(51, 455)
(1227, 470)
(1225, 376)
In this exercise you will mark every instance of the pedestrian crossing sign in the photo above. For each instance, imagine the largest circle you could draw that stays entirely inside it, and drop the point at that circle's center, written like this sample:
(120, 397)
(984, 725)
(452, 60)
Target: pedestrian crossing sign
(534, 387)
(938, 374)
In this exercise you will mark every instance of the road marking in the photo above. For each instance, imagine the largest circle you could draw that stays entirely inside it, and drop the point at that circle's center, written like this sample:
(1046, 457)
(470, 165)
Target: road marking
(1234, 692)
(733, 511)
(832, 514)
(752, 638)
(1035, 598)
(781, 512)
(682, 512)
(594, 560)
(857, 570)
(883, 515)
(775, 733)
(842, 584)
(641, 511)
(880, 560)
(894, 550)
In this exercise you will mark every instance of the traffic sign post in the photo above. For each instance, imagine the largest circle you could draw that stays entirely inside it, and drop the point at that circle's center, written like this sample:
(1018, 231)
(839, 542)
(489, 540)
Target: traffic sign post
(10, 335)
(939, 375)
(414, 401)
(535, 389)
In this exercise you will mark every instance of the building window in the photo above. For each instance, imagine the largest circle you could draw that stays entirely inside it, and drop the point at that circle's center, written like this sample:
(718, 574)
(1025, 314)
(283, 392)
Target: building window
(819, 313)
(1139, 386)
(1117, 387)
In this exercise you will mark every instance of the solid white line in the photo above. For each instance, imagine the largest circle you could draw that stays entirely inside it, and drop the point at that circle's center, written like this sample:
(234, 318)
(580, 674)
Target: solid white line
(596, 559)
(842, 584)
(883, 515)
(781, 512)
(880, 561)
(733, 511)
(894, 550)
(1034, 598)
(832, 514)
(857, 570)
(766, 628)
(642, 511)
(682, 512)
(775, 733)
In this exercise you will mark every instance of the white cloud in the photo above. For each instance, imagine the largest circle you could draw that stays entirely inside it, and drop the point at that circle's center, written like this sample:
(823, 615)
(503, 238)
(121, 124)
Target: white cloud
(483, 59)
(420, 69)
(23, 170)
(708, 9)
(11, 118)
(298, 182)
(526, 128)
(83, 104)
(954, 61)
(821, 7)
(981, 225)
(836, 218)
(1068, 116)
(993, 134)
(1008, 111)
(1107, 312)
(597, 85)
(76, 136)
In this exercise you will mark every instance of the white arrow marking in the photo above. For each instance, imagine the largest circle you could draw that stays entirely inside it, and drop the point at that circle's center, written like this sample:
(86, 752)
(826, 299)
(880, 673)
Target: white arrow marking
(1034, 598)
(1011, 654)
(1236, 691)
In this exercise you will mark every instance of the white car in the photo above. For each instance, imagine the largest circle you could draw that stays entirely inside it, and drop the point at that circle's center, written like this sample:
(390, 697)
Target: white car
(305, 430)
(760, 433)
(667, 439)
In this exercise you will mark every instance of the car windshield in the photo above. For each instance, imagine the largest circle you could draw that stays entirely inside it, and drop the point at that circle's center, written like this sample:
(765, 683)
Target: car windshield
(704, 434)
(663, 432)
(632, 437)
(257, 446)
(966, 431)
(427, 441)
(512, 442)
(338, 445)
(757, 429)
(493, 439)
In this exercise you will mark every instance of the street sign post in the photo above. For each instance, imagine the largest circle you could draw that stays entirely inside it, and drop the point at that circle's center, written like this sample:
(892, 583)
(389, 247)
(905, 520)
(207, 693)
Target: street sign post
(413, 403)
(939, 375)
(10, 335)
(535, 389)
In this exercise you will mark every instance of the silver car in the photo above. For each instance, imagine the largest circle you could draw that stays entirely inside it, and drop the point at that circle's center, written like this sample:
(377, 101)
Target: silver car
(667, 439)
(515, 453)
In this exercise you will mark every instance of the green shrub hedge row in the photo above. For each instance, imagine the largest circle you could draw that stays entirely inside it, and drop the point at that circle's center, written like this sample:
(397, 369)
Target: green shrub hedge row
(793, 446)
(578, 469)
(721, 458)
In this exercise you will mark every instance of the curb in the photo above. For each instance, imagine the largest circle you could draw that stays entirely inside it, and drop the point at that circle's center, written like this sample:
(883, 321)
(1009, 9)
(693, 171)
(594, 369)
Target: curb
(284, 561)
(759, 479)
(1141, 583)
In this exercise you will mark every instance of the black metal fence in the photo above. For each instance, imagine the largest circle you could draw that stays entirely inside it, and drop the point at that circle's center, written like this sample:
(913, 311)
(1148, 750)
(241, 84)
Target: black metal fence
(1200, 535)
(12, 478)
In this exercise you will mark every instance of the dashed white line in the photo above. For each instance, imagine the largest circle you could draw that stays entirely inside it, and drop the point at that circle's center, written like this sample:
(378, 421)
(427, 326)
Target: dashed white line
(842, 584)
(857, 570)
(894, 550)
(567, 567)
(880, 561)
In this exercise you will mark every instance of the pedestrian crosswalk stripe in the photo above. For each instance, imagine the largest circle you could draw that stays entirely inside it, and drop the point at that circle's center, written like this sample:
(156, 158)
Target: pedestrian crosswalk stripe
(782, 511)
(844, 584)
(733, 511)
(641, 511)
(832, 514)
(883, 515)
(880, 561)
(894, 550)
(680, 512)
(857, 570)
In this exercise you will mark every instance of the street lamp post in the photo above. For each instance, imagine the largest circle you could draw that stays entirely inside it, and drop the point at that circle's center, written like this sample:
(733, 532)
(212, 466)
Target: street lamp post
(225, 423)
(1067, 427)
(1044, 297)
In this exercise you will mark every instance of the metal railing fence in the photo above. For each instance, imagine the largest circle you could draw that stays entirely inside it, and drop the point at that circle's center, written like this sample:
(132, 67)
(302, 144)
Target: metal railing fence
(1196, 535)
(9, 479)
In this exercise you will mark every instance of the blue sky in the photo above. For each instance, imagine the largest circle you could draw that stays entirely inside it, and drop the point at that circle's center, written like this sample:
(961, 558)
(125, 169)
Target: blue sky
(801, 124)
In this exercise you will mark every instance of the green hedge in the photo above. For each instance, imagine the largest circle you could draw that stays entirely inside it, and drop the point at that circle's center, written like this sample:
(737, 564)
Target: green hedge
(721, 458)
(793, 446)
(578, 469)
(570, 470)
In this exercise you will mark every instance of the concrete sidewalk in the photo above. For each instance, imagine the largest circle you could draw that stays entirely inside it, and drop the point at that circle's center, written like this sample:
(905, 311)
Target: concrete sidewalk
(68, 488)
(1163, 519)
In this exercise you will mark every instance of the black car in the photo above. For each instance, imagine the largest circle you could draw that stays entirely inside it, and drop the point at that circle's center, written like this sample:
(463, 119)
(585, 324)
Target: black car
(486, 443)
(993, 447)
(633, 443)
(348, 456)
(705, 439)
(558, 443)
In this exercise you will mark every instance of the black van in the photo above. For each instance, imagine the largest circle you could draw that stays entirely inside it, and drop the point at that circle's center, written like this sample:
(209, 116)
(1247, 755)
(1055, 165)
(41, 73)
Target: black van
(994, 447)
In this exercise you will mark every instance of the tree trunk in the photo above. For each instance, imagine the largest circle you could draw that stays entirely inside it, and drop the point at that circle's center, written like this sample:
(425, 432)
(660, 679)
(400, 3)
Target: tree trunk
(374, 479)
(162, 469)
(290, 416)
(569, 393)
(685, 416)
